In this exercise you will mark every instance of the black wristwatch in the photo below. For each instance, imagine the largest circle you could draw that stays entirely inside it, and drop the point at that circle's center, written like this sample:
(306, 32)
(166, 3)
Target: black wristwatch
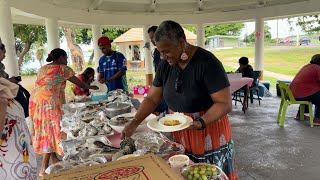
(203, 124)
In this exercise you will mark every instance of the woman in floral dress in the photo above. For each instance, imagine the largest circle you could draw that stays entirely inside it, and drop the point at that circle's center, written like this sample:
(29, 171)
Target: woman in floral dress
(17, 157)
(45, 105)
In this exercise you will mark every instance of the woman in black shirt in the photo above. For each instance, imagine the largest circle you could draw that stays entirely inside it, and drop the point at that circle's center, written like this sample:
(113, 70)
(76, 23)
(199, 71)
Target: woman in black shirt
(192, 81)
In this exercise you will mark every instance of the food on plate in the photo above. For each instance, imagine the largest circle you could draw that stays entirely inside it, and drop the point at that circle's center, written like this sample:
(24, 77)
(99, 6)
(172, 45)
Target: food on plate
(120, 121)
(201, 171)
(171, 122)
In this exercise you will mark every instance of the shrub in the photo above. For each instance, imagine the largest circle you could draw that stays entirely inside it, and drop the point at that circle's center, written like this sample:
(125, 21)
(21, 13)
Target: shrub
(29, 72)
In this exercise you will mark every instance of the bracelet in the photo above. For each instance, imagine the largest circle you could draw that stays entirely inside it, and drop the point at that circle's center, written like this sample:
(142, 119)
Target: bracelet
(203, 124)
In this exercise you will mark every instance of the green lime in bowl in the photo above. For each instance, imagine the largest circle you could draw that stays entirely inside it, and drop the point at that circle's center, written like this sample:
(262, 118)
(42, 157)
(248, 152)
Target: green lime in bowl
(201, 171)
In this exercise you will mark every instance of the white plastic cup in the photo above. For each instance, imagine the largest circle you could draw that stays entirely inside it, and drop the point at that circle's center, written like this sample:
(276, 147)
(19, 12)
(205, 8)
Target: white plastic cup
(177, 162)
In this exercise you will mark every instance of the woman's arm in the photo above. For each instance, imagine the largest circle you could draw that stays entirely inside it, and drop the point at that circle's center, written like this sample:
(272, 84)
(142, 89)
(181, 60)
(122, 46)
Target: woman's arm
(221, 107)
(80, 83)
(3, 112)
(146, 108)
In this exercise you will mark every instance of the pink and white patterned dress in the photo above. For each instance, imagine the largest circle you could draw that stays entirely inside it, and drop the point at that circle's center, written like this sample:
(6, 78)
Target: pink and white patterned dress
(17, 157)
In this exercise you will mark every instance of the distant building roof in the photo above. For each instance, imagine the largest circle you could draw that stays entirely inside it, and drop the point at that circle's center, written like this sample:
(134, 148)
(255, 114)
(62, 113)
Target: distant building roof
(135, 36)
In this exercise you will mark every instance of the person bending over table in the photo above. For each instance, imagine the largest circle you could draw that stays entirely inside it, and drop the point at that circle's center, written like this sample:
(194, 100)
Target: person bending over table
(46, 103)
(87, 76)
(193, 81)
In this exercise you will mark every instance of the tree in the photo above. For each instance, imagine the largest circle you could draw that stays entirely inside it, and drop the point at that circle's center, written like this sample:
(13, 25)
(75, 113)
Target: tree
(76, 52)
(221, 29)
(224, 29)
(267, 29)
(267, 34)
(40, 52)
(25, 36)
(309, 24)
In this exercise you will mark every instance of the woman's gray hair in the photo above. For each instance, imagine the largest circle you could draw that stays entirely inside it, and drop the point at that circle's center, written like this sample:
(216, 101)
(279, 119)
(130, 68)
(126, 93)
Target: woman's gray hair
(315, 59)
(169, 30)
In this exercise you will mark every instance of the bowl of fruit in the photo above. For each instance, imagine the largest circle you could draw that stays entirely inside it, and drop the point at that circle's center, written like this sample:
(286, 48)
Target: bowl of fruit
(201, 171)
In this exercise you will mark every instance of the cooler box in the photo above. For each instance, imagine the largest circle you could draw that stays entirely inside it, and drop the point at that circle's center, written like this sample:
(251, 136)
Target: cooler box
(141, 90)
(277, 86)
(266, 84)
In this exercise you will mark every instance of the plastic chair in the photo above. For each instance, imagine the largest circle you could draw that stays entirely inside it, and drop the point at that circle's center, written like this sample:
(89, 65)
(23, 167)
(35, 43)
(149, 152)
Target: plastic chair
(286, 100)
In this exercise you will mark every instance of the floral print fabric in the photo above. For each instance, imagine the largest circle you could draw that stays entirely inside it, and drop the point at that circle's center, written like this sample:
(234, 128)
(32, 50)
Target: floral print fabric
(45, 107)
(17, 158)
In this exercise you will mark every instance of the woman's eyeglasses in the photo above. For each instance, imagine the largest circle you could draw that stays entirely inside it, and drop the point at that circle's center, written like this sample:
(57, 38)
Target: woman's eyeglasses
(178, 83)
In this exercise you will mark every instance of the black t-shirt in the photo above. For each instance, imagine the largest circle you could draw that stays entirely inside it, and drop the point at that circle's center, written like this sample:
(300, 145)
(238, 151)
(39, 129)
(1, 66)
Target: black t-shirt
(247, 71)
(203, 76)
(156, 59)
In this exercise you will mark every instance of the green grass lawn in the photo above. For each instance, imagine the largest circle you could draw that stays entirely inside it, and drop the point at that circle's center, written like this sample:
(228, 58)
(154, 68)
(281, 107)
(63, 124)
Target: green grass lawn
(279, 59)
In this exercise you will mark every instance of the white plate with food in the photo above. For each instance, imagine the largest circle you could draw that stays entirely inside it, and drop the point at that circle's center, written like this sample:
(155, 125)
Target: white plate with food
(118, 122)
(163, 125)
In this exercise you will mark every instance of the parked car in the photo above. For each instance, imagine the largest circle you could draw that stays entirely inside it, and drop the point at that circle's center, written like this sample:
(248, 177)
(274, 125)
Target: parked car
(285, 40)
(302, 40)
(292, 40)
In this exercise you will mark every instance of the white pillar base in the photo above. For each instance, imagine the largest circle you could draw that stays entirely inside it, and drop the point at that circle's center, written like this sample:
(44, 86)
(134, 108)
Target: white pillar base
(96, 34)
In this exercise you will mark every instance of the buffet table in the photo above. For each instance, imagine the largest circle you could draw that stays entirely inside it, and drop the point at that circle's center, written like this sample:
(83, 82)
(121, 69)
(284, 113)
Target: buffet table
(92, 137)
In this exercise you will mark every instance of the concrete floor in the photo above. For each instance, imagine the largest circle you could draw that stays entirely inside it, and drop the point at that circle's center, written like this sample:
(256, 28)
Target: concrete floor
(264, 150)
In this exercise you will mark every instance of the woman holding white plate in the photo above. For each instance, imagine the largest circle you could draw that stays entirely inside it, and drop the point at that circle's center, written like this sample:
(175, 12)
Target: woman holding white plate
(194, 82)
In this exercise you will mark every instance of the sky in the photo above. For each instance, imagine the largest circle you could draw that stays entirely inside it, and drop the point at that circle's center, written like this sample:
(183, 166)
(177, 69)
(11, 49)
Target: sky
(283, 28)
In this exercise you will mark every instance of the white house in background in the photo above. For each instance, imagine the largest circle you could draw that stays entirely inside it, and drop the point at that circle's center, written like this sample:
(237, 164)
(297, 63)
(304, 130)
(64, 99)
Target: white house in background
(222, 42)
(134, 36)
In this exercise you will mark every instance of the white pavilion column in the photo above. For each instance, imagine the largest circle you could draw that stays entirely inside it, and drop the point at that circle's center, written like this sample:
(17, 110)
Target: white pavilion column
(127, 52)
(52, 33)
(7, 36)
(259, 46)
(147, 57)
(132, 52)
(141, 51)
(122, 49)
(96, 34)
(200, 35)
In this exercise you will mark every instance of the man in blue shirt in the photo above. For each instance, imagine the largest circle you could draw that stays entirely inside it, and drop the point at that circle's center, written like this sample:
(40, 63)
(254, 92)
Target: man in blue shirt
(112, 66)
